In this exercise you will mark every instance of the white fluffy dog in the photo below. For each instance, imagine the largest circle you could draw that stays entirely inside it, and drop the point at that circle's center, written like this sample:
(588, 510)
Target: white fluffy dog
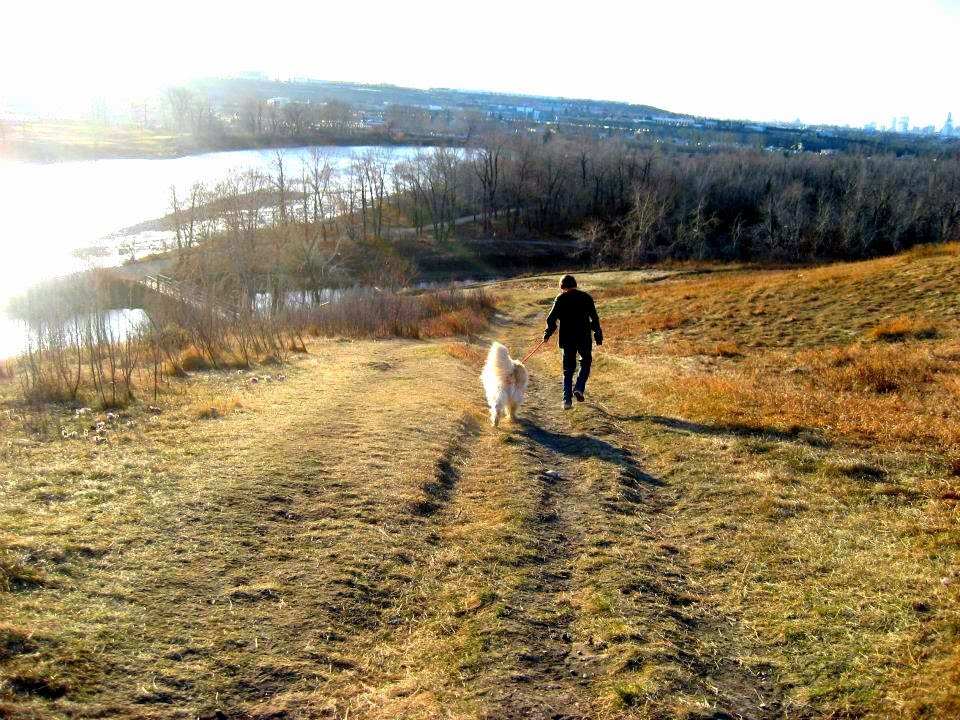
(504, 381)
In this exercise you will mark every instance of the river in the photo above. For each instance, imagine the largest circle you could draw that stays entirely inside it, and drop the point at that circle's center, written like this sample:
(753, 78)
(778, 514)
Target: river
(50, 210)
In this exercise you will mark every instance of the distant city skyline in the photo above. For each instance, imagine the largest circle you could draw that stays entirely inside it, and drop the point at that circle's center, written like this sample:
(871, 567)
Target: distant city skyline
(749, 60)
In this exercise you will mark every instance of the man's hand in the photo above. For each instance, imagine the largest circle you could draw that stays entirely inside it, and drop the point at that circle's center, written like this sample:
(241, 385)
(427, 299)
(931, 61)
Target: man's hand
(546, 335)
(599, 338)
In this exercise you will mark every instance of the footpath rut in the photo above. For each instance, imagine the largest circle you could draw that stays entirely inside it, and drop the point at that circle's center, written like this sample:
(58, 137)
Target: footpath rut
(553, 673)
(586, 505)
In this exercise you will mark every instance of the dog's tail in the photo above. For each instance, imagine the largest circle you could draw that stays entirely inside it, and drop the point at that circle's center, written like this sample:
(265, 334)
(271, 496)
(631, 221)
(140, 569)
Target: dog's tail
(499, 363)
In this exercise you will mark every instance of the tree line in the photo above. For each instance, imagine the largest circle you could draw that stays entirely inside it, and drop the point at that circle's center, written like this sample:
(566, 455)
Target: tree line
(318, 222)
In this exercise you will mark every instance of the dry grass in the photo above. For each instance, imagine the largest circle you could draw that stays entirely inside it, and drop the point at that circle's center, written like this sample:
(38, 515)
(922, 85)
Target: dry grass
(470, 354)
(809, 307)
(811, 480)
(953, 468)
(191, 359)
(692, 348)
(902, 328)
(58, 139)
(787, 335)
(650, 322)
(875, 369)
(823, 560)
(213, 408)
(372, 314)
(16, 572)
(458, 322)
(859, 403)
(269, 541)
(769, 533)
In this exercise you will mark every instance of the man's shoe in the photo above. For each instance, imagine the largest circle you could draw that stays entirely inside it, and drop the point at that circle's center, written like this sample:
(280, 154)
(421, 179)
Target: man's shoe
(567, 404)
(578, 394)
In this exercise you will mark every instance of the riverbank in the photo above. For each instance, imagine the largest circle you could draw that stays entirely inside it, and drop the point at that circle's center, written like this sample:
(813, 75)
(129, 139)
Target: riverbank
(50, 141)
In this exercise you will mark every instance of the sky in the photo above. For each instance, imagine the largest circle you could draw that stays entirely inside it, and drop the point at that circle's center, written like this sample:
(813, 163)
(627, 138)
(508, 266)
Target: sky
(822, 61)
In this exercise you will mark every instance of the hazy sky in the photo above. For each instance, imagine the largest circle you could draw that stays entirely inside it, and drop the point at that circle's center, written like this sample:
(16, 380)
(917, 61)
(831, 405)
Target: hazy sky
(840, 61)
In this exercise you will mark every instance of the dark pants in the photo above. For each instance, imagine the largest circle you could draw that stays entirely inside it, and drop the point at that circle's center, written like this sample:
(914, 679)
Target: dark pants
(570, 364)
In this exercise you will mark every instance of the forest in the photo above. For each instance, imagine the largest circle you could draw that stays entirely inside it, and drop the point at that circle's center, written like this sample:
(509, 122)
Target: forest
(318, 224)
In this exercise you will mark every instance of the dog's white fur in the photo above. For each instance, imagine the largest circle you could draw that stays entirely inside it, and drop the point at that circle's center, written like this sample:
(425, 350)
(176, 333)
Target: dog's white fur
(504, 381)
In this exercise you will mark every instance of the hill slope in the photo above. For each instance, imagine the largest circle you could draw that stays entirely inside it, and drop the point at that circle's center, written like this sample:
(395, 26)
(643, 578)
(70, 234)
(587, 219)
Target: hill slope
(355, 541)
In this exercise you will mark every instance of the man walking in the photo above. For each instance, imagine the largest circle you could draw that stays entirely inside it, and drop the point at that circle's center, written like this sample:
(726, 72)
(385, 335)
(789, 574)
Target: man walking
(577, 314)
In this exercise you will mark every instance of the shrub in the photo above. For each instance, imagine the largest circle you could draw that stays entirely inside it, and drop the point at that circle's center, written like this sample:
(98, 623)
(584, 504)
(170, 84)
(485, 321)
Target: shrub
(192, 359)
(369, 313)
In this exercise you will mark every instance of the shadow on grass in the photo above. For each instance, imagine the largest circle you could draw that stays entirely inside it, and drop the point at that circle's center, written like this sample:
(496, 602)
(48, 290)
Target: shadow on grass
(583, 447)
(438, 489)
(808, 436)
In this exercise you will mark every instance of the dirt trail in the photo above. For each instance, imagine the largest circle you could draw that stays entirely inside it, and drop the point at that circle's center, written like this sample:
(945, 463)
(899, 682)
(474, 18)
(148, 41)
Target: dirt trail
(589, 495)
(552, 674)
(544, 588)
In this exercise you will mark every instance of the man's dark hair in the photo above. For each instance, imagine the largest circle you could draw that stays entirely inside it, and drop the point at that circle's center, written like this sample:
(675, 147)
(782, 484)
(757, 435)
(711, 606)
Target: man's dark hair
(568, 281)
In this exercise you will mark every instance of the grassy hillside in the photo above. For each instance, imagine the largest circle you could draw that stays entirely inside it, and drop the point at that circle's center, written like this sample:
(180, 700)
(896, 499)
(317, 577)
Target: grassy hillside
(754, 515)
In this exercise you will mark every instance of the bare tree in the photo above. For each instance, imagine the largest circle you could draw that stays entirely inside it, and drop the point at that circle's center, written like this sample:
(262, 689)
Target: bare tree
(181, 103)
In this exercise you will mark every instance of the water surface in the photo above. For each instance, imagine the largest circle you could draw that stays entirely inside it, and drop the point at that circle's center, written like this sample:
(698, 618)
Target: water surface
(50, 210)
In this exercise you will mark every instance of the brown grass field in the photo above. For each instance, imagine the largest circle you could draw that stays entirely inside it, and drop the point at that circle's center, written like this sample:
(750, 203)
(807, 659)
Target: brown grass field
(754, 515)
(48, 140)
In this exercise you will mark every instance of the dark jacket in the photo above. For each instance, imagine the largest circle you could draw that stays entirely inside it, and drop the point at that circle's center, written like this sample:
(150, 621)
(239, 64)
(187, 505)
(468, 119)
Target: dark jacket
(577, 315)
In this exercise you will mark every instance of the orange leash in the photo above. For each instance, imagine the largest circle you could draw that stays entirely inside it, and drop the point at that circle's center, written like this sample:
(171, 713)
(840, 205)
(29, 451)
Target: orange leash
(529, 354)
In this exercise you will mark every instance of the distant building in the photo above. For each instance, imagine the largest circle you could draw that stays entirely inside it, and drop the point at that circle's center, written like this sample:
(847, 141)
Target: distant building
(948, 126)
(372, 119)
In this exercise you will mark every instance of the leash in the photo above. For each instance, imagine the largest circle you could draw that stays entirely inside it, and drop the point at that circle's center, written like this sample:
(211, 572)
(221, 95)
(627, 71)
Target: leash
(527, 356)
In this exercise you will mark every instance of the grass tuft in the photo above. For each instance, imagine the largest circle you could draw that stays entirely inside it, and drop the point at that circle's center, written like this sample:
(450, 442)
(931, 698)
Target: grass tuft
(627, 695)
(15, 641)
(215, 408)
(16, 574)
(40, 681)
(854, 470)
(902, 328)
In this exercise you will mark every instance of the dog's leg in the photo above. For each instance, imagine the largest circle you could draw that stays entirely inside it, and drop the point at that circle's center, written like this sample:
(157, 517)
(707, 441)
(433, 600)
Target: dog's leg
(512, 409)
(495, 415)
